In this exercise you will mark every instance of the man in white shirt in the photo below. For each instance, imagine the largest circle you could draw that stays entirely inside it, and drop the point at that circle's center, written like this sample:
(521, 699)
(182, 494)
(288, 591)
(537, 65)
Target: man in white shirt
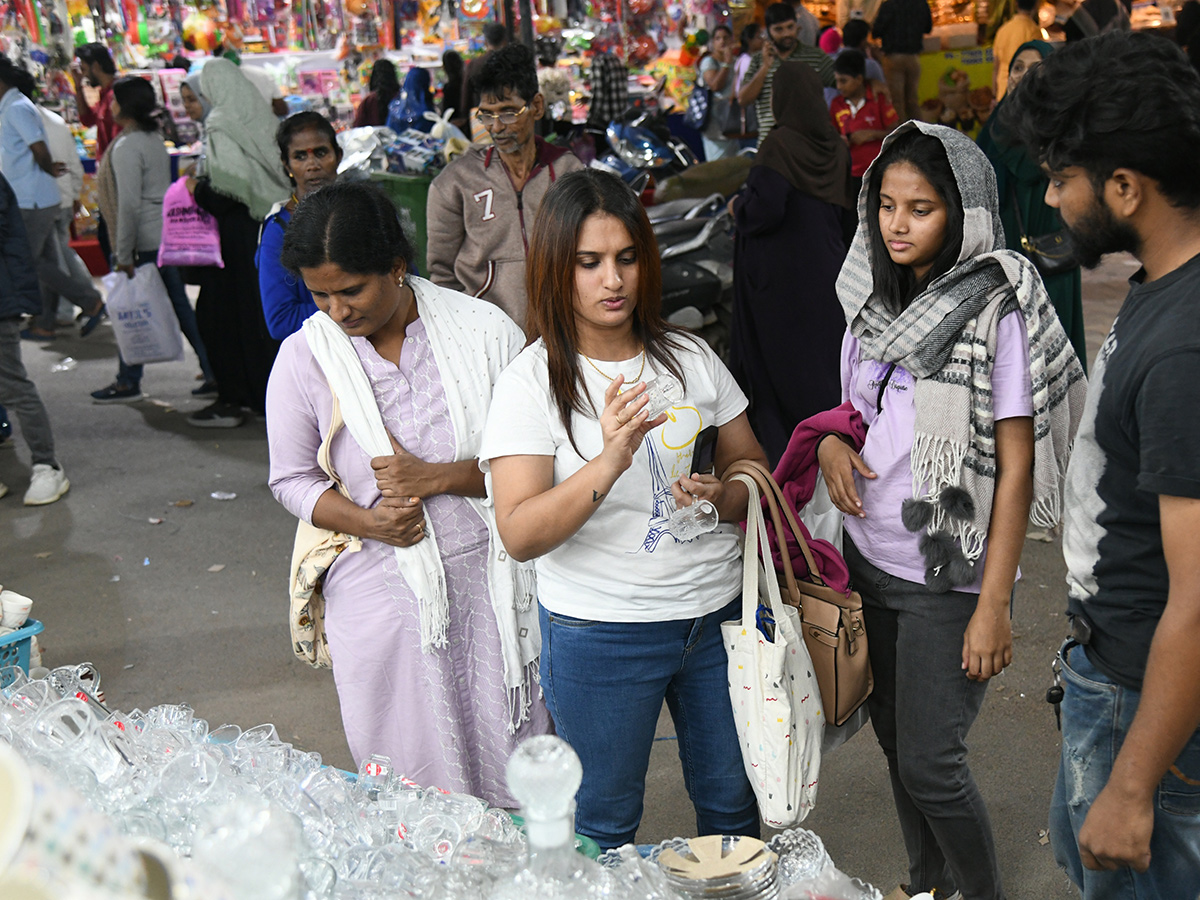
(31, 170)
(62, 147)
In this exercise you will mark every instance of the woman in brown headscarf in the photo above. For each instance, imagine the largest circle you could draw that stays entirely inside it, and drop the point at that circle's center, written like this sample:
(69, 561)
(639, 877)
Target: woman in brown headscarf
(787, 322)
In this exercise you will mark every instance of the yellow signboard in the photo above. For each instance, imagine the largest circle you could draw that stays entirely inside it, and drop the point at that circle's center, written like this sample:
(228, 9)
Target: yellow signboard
(956, 88)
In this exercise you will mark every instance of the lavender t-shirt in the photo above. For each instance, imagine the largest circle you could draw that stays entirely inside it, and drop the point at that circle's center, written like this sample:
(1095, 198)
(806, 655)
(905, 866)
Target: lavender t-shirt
(881, 537)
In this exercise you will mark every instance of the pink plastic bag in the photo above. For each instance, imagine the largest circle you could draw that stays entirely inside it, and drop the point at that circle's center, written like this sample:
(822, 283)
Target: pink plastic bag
(189, 234)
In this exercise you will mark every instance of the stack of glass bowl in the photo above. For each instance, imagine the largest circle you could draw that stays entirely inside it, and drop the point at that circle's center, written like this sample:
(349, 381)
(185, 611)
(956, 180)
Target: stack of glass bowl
(721, 867)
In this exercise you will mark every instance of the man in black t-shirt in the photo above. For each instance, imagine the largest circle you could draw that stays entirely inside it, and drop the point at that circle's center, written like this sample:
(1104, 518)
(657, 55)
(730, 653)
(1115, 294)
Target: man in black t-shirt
(1103, 116)
(901, 26)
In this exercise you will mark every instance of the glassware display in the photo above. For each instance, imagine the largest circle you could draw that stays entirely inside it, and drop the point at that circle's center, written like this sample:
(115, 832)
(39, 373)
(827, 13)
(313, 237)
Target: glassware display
(267, 819)
(259, 818)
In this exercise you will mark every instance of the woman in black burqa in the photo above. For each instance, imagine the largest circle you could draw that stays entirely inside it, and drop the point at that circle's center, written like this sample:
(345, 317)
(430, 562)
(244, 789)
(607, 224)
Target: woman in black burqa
(787, 322)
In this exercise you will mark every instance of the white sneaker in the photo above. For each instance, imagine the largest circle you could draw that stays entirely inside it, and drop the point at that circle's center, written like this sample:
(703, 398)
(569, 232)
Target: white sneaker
(46, 485)
(3, 488)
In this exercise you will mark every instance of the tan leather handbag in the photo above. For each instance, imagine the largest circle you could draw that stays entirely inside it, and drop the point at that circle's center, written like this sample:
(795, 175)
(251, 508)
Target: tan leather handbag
(313, 552)
(832, 622)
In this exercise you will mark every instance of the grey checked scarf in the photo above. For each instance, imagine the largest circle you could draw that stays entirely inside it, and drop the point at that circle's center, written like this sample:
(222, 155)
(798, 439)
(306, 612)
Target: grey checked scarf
(946, 339)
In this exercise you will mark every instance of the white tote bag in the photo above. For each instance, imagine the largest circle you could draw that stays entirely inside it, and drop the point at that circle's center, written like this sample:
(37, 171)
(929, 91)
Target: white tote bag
(776, 700)
(145, 324)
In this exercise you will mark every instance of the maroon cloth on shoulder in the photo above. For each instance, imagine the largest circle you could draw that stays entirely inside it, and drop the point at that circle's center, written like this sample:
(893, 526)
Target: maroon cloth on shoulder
(796, 476)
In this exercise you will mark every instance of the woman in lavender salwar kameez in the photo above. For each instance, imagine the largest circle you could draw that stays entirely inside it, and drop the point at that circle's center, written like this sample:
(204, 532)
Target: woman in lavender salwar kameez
(443, 684)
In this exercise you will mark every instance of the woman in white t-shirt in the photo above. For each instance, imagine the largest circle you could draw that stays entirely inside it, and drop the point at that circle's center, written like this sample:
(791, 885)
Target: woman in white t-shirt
(584, 483)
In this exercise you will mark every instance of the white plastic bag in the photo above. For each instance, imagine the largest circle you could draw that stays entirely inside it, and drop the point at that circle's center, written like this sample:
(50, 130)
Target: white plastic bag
(822, 519)
(776, 700)
(143, 319)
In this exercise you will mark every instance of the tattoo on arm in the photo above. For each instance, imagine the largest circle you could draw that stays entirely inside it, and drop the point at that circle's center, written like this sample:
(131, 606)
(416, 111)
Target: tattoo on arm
(597, 497)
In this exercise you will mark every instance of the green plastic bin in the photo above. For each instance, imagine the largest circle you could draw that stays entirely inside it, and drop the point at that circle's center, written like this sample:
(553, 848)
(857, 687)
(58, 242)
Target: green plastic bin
(583, 845)
(409, 193)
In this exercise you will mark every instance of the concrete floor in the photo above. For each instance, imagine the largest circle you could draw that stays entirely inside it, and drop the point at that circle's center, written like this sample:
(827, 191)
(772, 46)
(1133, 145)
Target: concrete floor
(149, 606)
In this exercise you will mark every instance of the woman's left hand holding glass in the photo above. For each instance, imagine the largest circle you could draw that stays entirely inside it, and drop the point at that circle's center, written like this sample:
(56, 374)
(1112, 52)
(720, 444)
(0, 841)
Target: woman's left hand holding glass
(987, 642)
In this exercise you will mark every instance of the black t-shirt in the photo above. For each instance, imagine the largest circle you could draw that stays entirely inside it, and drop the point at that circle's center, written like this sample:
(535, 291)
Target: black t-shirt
(1139, 439)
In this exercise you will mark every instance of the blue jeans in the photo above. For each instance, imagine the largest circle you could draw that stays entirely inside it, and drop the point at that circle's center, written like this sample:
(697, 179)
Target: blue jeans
(605, 683)
(922, 708)
(177, 291)
(1096, 715)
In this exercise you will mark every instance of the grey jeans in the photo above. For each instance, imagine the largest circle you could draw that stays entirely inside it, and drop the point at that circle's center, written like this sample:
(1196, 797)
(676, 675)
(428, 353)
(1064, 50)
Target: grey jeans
(20, 396)
(59, 268)
(922, 707)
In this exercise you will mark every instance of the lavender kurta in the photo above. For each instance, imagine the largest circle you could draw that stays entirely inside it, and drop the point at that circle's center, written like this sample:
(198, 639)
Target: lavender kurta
(443, 716)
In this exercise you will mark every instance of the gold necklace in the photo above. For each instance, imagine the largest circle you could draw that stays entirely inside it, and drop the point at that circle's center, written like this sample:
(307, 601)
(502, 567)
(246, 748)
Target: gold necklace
(611, 378)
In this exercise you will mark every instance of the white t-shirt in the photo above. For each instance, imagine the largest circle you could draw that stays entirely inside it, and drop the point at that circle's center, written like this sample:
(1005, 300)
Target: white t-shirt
(622, 566)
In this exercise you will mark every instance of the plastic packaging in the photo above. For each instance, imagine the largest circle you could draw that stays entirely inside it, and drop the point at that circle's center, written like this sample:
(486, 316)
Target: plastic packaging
(144, 322)
(189, 234)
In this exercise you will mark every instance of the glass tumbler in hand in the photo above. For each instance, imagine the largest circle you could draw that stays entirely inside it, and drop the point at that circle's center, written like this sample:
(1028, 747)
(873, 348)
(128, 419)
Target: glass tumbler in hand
(689, 522)
(663, 392)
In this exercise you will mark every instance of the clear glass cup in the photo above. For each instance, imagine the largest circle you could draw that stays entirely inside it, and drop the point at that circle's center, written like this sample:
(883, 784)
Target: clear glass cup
(399, 870)
(254, 846)
(374, 773)
(11, 679)
(188, 779)
(689, 522)
(801, 855)
(320, 878)
(435, 837)
(664, 392)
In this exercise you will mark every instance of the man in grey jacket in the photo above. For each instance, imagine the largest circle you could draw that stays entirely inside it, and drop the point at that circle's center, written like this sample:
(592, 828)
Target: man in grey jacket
(482, 206)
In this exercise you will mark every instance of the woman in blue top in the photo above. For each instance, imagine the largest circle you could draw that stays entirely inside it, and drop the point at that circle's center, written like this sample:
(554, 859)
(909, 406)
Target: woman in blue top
(309, 149)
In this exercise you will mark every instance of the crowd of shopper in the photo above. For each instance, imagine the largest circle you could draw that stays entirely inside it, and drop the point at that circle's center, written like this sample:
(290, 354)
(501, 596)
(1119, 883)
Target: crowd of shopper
(480, 439)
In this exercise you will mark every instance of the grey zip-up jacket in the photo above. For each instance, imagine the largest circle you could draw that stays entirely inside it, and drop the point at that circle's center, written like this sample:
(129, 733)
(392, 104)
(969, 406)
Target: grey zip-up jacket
(479, 226)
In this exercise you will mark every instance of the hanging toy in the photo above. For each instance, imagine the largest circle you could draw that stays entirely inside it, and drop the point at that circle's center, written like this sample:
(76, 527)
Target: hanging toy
(200, 31)
(475, 9)
(640, 49)
(690, 51)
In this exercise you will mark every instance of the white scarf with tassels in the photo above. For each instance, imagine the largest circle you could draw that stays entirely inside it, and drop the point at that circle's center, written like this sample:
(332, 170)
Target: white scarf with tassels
(472, 342)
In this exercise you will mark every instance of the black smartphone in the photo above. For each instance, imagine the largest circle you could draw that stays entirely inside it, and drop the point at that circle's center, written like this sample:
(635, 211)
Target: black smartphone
(704, 452)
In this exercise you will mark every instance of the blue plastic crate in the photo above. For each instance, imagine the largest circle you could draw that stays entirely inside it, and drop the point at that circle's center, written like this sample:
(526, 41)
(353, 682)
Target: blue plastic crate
(14, 648)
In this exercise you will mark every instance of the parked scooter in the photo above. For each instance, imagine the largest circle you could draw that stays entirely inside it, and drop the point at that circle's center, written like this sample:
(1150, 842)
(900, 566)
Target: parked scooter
(642, 150)
(696, 243)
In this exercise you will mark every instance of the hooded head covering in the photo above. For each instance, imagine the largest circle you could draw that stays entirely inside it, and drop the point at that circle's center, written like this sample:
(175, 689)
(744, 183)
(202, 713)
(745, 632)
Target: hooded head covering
(408, 110)
(946, 338)
(1006, 153)
(243, 158)
(193, 83)
(804, 147)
